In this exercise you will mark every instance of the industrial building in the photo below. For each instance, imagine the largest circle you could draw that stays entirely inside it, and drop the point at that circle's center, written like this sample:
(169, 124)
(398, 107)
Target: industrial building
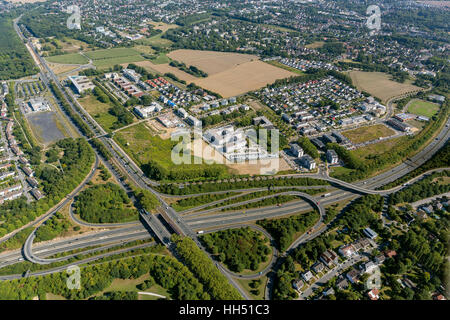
(81, 84)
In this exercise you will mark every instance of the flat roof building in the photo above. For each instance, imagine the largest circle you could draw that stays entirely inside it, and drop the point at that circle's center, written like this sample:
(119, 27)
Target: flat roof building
(81, 83)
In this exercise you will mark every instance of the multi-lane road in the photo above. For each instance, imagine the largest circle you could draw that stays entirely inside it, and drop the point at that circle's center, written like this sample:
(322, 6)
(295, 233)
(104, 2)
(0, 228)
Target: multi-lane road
(187, 225)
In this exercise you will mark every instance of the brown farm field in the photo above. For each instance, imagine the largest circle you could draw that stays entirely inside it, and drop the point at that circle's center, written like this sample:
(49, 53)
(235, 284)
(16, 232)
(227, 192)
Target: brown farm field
(211, 62)
(379, 84)
(230, 74)
(165, 68)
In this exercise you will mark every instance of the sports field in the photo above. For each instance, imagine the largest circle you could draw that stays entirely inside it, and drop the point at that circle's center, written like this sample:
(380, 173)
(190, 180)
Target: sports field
(379, 84)
(369, 133)
(71, 58)
(423, 108)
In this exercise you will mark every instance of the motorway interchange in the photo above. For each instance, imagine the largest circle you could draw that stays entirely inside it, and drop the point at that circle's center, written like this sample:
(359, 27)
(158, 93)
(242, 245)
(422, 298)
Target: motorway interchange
(189, 222)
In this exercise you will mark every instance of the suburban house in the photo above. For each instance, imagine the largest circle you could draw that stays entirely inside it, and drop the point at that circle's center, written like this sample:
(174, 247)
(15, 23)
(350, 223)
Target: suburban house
(342, 283)
(347, 250)
(373, 294)
(307, 276)
(329, 258)
(318, 267)
(298, 284)
(379, 259)
(353, 275)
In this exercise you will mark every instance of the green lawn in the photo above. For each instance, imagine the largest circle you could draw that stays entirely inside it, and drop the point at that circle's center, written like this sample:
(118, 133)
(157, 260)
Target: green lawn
(107, 63)
(72, 58)
(245, 284)
(423, 108)
(143, 146)
(99, 111)
(161, 59)
(156, 41)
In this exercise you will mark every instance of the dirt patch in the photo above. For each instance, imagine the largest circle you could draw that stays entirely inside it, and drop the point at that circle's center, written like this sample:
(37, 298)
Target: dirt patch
(61, 68)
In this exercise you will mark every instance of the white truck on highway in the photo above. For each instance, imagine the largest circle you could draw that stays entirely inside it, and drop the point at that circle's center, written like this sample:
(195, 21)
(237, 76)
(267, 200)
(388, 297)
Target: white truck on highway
(200, 232)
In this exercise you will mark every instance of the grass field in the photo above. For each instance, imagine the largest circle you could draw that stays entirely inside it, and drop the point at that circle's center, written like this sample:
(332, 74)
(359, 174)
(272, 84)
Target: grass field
(161, 59)
(379, 84)
(131, 285)
(99, 111)
(143, 146)
(285, 67)
(369, 133)
(245, 284)
(377, 148)
(163, 26)
(111, 53)
(71, 58)
(423, 108)
(315, 45)
(156, 41)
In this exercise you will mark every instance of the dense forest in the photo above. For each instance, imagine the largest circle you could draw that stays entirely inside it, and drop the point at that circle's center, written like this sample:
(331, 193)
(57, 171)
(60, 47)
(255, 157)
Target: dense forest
(421, 256)
(104, 203)
(15, 60)
(52, 227)
(431, 185)
(166, 271)
(284, 229)
(215, 283)
(239, 249)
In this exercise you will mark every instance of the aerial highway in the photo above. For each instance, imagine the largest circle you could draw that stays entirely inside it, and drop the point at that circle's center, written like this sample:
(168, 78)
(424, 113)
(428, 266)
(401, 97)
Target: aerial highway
(187, 225)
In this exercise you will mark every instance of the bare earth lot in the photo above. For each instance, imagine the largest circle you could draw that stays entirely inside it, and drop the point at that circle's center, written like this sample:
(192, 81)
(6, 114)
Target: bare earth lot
(379, 84)
(243, 78)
